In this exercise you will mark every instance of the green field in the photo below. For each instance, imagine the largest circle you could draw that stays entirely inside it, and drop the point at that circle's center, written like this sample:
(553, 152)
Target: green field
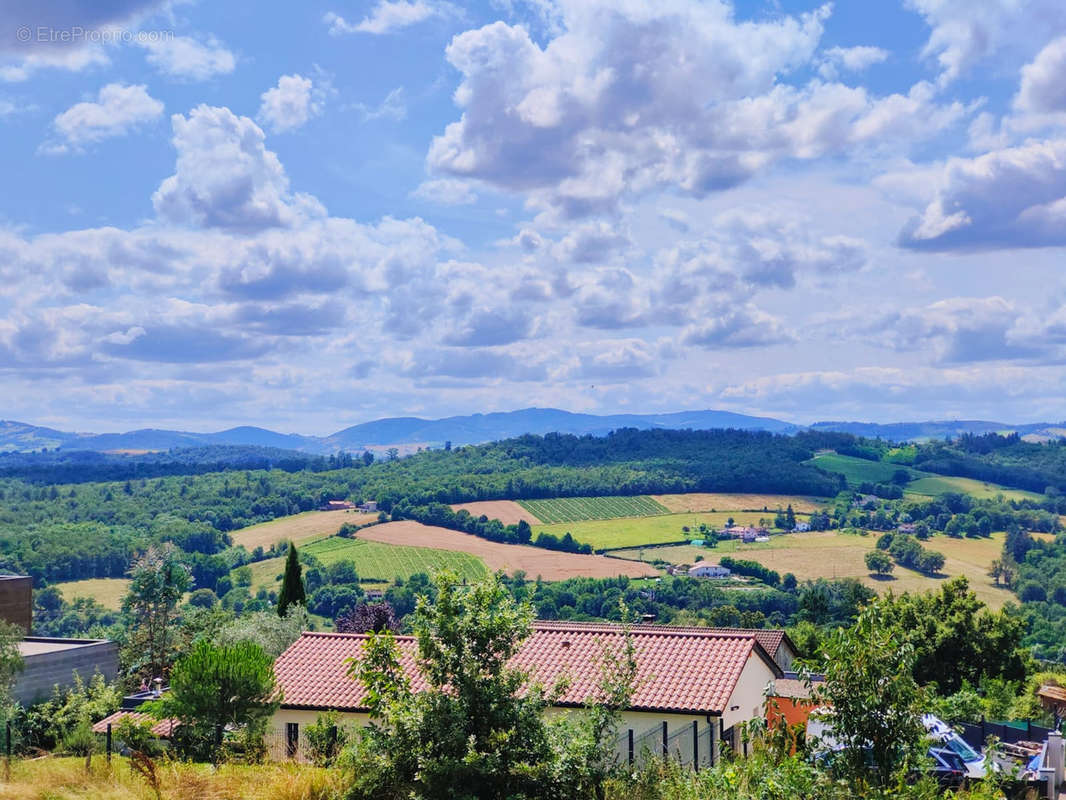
(375, 561)
(940, 484)
(573, 509)
(859, 470)
(635, 531)
(856, 470)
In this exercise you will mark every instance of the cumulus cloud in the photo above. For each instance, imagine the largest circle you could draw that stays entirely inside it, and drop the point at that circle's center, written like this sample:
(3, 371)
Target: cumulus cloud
(737, 327)
(1043, 86)
(389, 16)
(226, 178)
(963, 33)
(576, 124)
(117, 110)
(290, 104)
(959, 330)
(1013, 197)
(187, 58)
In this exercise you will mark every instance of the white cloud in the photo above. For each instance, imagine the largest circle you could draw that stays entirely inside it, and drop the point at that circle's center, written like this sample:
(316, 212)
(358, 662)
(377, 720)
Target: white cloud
(389, 16)
(964, 33)
(1043, 85)
(446, 192)
(187, 58)
(226, 177)
(1013, 197)
(575, 126)
(291, 103)
(117, 110)
(851, 59)
(89, 25)
(742, 327)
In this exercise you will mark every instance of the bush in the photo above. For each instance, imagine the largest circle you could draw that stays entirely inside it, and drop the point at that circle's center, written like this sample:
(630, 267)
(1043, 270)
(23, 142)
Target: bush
(326, 738)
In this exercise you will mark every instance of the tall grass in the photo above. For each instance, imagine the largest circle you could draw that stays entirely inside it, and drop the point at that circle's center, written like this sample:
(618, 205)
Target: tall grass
(67, 779)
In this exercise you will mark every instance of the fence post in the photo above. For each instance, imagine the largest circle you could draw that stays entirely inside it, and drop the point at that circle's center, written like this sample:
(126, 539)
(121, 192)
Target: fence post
(7, 752)
(218, 743)
(332, 742)
(695, 746)
(109, 743)
(666, 745)
(630, 747)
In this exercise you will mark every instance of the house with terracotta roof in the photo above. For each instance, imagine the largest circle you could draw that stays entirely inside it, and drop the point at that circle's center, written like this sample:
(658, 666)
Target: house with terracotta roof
(699, 682)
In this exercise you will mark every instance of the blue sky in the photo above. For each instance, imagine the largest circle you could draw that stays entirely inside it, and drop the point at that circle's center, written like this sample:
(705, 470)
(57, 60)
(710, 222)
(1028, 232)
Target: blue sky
(305, 215)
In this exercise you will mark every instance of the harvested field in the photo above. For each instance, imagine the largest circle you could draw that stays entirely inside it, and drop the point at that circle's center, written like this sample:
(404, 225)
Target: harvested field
(298, 528)
(506, 511)
(571, 509)
(108, 592)
(828, 554)
(732, 501)
(534, 561)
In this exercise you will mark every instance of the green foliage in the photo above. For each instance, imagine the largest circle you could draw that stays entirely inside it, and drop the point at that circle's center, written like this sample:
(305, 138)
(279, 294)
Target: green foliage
(292, 585)
(136, 735)
(879, 561)
(218, 687)
(55, 723)
(955, 639)
(479, 728)
(326, 738)
(10, 660)
(754, 569)
(876, 703)
(159, 579)
(273, 634)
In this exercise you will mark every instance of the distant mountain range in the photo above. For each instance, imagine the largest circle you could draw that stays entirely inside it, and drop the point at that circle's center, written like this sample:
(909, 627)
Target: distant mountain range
(395, 431)
(412, 432)
(942, 429)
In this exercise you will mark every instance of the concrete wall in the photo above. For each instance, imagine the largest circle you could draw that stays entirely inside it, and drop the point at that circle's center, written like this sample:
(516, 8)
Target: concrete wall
(748, 694)
(56, 666)
(16, 600)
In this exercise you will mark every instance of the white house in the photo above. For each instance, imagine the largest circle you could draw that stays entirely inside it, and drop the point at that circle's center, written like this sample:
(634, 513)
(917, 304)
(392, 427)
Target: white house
(694, 682)
(709, 571)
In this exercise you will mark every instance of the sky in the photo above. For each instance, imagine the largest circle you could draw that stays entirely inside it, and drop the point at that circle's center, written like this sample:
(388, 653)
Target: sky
(308, 215)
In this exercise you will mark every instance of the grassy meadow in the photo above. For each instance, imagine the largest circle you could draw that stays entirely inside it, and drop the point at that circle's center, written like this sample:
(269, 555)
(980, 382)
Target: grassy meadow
(375, 561)
(108, 592)
(299, 528)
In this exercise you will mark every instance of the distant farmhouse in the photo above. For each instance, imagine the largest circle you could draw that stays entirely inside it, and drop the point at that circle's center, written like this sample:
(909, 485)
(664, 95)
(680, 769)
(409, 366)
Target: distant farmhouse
(709, 571)
(337, 505)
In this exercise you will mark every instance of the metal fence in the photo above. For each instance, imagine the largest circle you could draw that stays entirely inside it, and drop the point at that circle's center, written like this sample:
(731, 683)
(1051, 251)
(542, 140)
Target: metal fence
(1009, 732)
(692, 745)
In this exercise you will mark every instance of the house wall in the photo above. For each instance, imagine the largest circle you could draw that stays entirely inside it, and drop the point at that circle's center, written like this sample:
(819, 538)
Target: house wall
(16, 600)
(43, 671)
(748, 694)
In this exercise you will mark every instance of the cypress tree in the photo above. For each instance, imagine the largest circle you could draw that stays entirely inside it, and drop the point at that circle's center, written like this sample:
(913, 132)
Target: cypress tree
(292, 585)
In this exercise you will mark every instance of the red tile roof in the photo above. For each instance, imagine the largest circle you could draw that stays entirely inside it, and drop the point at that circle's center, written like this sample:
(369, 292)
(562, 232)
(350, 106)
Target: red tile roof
(160, 728)
(769, 638)
(684, 670)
